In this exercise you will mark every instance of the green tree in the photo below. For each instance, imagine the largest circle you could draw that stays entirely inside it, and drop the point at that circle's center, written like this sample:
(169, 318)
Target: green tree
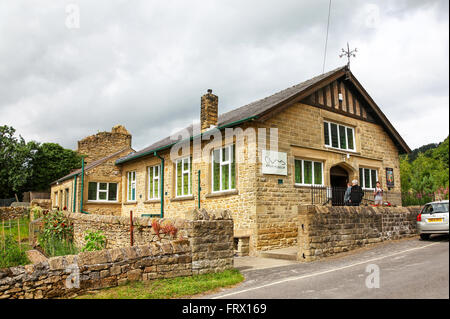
(51, 162)
(31, 166)
(427, 173)
(16, 158)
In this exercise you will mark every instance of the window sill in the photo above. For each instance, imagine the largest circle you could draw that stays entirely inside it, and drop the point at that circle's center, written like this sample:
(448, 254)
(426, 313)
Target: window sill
(308, 186)
(130, 203)
(182, 198)
(330, 148)
(224, 193)
(153, 201)
(102, 202)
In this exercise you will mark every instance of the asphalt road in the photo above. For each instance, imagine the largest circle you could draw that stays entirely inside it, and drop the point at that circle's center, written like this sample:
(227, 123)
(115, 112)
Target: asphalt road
(407, 269)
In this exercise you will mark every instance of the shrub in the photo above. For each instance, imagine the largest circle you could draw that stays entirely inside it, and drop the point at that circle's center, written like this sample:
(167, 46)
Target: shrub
(56, 226)
(57, 234)
(95, 240)
(36, 211)
(11, 254)
(58, 247)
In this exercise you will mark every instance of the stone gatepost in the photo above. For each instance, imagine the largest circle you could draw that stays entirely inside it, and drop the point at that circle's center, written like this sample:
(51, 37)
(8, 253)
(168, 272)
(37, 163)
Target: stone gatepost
(305, 215)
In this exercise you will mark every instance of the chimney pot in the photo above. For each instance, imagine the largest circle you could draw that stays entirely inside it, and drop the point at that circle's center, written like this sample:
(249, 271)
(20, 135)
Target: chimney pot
(209, 91)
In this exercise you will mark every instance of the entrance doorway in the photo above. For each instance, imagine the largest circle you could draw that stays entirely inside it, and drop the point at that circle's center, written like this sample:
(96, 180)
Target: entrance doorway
(338, 180)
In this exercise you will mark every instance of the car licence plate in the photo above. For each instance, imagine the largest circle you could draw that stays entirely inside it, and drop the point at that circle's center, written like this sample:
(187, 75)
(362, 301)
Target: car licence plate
(435, 220)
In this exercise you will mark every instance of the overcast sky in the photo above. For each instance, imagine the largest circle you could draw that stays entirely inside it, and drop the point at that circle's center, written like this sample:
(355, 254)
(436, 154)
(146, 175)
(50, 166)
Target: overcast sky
(145, 64)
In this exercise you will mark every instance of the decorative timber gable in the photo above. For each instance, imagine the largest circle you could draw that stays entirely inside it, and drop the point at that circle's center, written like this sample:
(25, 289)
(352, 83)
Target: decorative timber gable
(341, 96)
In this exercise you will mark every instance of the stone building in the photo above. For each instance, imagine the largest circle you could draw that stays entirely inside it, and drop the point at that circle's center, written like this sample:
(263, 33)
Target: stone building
(101, 183)
(311, 137)
(330, 131)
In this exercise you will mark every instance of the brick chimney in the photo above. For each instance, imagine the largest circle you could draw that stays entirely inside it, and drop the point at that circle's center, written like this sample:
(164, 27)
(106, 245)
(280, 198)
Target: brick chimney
(209, 110)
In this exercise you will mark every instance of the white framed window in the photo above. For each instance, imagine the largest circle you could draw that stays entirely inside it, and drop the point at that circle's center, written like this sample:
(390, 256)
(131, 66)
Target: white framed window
(308, 172)
(183, 181)
(223, 168)
(102, 192)
(56, 199)
(131, 186)
(339, 136)
(368, 178)
(154, 182)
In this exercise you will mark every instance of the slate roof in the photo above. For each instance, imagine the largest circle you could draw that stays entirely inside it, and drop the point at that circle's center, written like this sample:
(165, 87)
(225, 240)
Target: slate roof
(250, 111)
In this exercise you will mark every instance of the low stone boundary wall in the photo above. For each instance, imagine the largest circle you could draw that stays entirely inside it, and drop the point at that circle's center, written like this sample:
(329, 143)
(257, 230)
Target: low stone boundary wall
(13, 212)
(325, 231)
(68, 276)
(43, 203)
(206, 246)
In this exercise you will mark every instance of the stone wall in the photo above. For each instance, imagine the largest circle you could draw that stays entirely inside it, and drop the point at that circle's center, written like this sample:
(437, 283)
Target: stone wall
(104, 143)
(206, 246)
(43, 203)
(325, 231)
(13, 212)
(92, 270)
(240, 202)
(300, 135)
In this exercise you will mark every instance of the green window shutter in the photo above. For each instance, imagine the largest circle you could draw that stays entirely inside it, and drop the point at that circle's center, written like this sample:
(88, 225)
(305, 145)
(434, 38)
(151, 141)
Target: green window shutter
(216, 170)
(350, 138)
(92, 191)
(367, 178)
(326, 133)
(308, 171)
(334, 135)
(233, 168)
(342, 139)
(298, 171)
(179, 179)
(112, 192)
(317, 173)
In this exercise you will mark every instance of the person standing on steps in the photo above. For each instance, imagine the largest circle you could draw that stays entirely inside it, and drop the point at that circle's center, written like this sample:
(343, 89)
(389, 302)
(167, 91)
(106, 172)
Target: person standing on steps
(347, 201)
(356, 193)
(378, 194)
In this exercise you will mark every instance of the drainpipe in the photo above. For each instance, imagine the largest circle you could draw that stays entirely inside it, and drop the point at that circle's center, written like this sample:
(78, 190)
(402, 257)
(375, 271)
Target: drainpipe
(82, 186)
(162, 182)
(74, 194)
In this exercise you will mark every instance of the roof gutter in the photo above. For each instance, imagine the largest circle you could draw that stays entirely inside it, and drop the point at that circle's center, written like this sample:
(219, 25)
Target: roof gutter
(153, 152)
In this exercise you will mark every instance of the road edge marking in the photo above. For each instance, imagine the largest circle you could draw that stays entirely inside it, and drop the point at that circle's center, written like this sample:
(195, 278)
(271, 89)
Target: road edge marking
(322, 272)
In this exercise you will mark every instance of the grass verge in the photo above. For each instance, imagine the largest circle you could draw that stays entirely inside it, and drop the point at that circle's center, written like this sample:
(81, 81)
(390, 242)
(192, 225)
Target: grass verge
(169, 288)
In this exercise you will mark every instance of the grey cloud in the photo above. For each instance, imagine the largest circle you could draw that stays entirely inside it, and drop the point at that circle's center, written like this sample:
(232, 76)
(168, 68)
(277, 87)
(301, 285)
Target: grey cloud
(145, 64)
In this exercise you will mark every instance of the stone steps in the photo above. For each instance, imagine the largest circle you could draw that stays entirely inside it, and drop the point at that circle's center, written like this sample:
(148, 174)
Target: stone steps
(289, 253)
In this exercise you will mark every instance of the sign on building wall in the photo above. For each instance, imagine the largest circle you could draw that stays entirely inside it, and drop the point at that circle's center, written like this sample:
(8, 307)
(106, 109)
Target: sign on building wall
(389, 177)
(274, 163)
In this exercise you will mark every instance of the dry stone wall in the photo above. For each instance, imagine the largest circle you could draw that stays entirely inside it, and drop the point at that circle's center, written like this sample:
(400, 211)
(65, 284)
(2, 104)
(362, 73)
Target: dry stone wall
(206, 246)
(325, 231)
(68, 276)
(13, 212)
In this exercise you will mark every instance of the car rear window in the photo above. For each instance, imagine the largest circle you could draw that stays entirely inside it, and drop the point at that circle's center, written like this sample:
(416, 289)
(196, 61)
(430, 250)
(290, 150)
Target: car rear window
(440, 207)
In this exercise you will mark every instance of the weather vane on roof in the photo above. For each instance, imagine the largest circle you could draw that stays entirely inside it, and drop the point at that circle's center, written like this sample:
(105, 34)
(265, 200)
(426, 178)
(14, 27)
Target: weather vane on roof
(348, 54)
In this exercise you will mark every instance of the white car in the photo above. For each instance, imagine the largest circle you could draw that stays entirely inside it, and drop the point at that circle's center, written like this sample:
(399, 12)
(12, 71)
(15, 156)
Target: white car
(433, 219)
